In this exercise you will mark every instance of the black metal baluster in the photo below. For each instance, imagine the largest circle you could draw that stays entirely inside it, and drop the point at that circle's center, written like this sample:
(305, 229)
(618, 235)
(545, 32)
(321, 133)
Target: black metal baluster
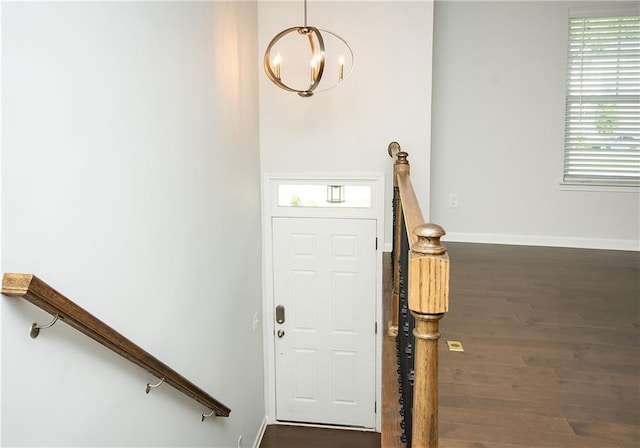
(405, 343)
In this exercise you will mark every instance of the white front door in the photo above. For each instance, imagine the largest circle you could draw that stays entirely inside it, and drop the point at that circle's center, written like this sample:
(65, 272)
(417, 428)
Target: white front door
(325, 282)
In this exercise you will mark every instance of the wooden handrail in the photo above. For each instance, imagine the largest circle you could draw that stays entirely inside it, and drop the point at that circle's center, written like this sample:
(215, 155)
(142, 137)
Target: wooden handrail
(34, 290)
(402, 180)
(425, 290)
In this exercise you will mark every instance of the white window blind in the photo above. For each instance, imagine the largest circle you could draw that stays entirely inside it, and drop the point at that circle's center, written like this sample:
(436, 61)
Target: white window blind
(602, 122)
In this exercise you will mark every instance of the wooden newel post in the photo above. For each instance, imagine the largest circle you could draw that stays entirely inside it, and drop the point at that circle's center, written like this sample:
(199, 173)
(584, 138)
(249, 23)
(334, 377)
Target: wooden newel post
(428, 301)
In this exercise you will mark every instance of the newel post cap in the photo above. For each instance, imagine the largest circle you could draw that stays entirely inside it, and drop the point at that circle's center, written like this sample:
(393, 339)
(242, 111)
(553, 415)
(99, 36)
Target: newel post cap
(429, 239)
(401, 158)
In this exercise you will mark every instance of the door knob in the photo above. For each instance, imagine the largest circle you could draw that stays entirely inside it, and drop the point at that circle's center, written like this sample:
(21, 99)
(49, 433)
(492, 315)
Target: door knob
(280, 333)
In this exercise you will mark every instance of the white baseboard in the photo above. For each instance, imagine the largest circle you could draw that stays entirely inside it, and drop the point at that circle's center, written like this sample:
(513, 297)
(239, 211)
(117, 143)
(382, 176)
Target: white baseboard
(260, 435)
(551, 241)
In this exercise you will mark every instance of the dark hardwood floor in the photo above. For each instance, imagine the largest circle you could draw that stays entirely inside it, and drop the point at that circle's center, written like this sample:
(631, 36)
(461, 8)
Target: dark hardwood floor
(552, 352)
(552, 348)
(283, 436)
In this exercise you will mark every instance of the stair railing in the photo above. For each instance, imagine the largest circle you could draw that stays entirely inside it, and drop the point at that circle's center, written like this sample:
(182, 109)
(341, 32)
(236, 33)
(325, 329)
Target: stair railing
(34, 290)
(420, 299)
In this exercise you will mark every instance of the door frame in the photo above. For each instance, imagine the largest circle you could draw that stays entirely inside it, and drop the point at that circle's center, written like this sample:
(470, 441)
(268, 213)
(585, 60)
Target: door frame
(270, 209)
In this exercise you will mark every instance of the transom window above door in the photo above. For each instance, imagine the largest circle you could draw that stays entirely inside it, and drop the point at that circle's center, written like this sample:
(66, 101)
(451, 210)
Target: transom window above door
(324, 195)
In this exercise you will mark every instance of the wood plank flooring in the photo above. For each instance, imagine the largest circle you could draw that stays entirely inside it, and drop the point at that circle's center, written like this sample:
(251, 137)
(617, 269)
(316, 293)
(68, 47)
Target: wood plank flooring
(552, 353)
(552, 348)
(283, 436)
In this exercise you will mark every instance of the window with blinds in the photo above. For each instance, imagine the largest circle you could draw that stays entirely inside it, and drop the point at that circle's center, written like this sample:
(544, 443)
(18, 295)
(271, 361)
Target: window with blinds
(602, 122)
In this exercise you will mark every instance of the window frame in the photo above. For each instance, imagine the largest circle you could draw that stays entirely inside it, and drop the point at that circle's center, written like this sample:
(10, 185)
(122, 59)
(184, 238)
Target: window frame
(595, 182)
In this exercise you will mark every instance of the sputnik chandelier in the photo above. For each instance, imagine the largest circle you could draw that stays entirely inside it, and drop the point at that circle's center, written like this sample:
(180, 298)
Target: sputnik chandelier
(305, 59)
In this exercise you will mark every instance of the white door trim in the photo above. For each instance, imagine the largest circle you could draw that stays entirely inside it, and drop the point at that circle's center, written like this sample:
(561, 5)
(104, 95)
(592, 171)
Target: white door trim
(270, 209)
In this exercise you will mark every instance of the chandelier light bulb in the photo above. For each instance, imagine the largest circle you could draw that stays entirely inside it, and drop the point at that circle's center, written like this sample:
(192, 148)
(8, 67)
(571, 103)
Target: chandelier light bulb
(276, 65)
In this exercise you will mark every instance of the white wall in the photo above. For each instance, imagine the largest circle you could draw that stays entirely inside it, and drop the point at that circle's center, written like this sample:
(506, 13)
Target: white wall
(388, 96)
(130, 181)
(498, 130)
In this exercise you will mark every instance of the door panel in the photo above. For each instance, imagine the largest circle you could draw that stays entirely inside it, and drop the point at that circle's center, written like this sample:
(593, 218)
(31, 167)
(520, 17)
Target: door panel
(324, 277)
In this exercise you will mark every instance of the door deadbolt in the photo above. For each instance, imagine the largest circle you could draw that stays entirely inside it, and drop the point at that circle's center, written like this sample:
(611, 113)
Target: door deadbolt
(280, 314)
(280, 333)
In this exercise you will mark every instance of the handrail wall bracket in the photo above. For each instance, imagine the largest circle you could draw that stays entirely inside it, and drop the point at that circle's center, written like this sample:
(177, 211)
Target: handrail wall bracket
(149, 385)
(34, 331)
